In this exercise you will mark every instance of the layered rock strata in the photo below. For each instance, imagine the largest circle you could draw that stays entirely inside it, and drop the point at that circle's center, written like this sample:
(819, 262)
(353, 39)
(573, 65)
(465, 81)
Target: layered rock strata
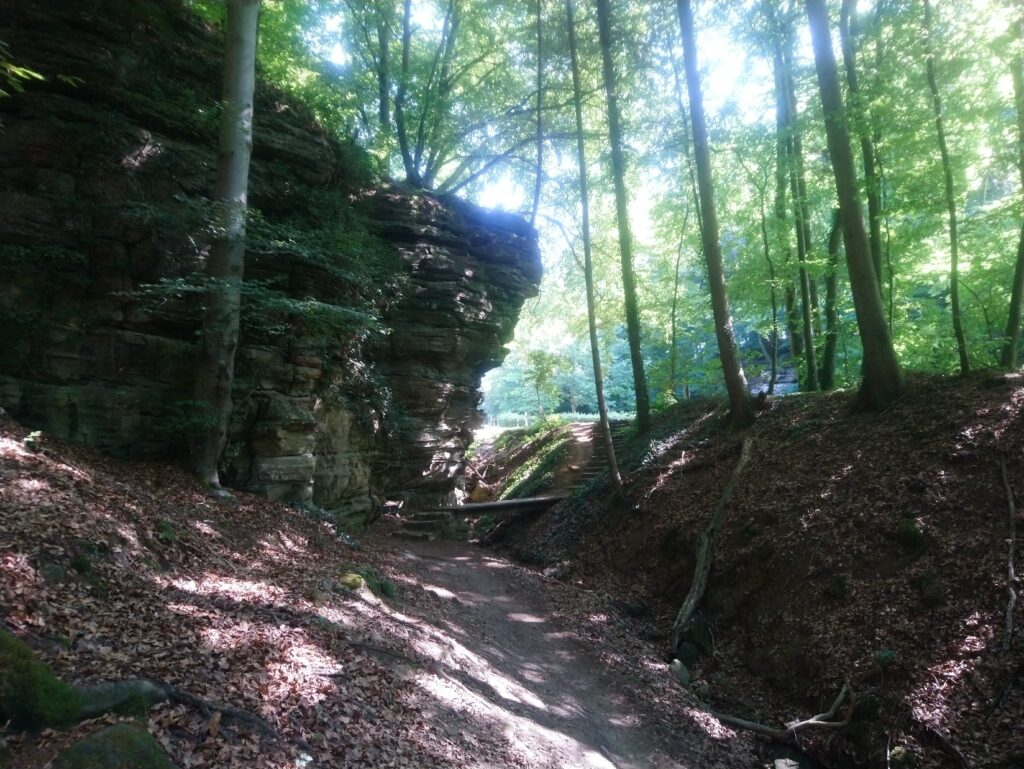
(102, 168)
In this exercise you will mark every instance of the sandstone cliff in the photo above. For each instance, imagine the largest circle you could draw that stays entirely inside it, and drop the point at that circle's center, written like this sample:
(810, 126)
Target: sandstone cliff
(104, 172)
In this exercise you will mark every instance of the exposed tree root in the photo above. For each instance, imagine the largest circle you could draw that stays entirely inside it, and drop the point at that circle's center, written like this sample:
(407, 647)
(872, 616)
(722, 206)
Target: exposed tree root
(1011, 576)
(705, 550)
(144, 693)
(826, 720)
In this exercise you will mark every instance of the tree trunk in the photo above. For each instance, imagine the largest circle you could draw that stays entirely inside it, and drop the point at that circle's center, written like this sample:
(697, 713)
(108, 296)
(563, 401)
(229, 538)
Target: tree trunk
(539, 179)
(786, 112)
(828, 356)
(766, 243)
(215, 367)
(411, 172)
(643, 404)
(862, 121)
(947, 181)
(741, 407)
(881, 383)
(383, 70)
(588, 266)
(1009, 357)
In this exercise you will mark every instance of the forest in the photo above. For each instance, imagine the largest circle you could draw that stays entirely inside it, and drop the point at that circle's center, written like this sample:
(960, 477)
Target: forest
(570, 384)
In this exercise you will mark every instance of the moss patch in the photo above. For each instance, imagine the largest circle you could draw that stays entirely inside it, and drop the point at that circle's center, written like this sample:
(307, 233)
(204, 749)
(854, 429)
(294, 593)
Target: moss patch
(122, 746)
(352, 581)
(30, 695)
(379, 586)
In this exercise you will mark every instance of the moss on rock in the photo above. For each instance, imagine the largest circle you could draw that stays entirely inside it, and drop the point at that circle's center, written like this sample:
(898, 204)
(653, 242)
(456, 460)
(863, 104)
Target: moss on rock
(31, 696)
(121, 746)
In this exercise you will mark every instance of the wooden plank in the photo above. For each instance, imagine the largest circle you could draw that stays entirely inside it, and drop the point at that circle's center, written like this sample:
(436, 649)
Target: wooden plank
(505, 505)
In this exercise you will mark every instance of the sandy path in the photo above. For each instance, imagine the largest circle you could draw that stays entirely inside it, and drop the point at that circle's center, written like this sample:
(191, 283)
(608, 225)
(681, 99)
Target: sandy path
(508, 673)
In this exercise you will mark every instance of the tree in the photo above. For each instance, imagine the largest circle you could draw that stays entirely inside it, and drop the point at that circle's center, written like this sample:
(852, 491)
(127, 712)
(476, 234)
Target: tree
(539, 179)
(882, 382)
(1009, 354)
(947, 183)
(791, 142)
(588, 264)
(848, 31)
(643, 402)
(741, 407)
(216, 364)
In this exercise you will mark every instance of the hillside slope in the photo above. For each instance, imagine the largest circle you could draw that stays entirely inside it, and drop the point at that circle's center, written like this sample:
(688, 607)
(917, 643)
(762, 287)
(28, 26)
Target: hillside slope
(871, 547)
(441, 657)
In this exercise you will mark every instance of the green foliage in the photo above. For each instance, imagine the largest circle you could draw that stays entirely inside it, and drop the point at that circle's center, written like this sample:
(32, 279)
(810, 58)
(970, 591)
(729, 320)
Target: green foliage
(885, 657)
(31, 697)
(13, 78)
(536, 474)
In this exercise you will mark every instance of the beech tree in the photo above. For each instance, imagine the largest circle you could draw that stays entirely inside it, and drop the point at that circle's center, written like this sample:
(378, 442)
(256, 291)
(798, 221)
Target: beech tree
(225, 264)
(950, 194)
(643, 403)
(588, 262)
(741, 407)
(881, 378)
(1009, 354)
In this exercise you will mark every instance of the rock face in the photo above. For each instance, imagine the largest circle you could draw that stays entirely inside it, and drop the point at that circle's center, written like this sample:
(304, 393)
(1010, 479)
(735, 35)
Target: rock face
(104, 171)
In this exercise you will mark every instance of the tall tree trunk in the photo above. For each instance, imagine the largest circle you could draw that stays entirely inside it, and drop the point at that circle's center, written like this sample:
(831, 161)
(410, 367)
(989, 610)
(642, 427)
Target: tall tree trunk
(411, 172)
(881, 383)
(215, 369)
(673, 353)
(741, 407)
(796, 340)
(643, 403)
(947, 181)
(539, 180)
(828, 356)
(588, 266)
(862, 120)
(1009, 357)
(786, 108)
(766, 243)
(384, 69)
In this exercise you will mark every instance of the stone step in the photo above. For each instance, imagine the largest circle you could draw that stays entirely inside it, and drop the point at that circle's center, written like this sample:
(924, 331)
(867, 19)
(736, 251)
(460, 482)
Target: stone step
(418, 536)
(425, 525)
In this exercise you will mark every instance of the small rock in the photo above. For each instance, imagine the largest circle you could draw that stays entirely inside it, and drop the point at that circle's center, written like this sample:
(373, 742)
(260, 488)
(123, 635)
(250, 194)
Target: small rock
(680, 671)
(559, 571)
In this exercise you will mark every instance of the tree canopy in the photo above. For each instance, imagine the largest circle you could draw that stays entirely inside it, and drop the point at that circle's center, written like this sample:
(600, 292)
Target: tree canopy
(445, 94)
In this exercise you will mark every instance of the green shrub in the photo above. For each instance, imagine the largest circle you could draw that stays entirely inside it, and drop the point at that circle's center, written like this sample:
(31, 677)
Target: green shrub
(31, 697)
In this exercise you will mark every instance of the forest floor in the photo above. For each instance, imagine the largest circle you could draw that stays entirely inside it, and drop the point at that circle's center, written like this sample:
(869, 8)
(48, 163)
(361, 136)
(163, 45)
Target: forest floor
(444, 657)
(864, 547)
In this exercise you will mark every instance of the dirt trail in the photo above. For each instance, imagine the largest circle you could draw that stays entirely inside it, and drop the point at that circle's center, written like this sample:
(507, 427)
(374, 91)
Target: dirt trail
(511, 666)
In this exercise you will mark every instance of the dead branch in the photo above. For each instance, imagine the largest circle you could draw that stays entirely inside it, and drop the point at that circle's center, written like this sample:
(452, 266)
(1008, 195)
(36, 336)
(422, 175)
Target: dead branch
(705, 549)
(824, 720)
(1011, 576)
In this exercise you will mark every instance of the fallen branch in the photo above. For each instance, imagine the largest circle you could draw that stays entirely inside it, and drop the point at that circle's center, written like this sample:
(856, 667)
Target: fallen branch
(1011, 576)
(824, 720)
(705, 550)
(381, 650)
(144, 693)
